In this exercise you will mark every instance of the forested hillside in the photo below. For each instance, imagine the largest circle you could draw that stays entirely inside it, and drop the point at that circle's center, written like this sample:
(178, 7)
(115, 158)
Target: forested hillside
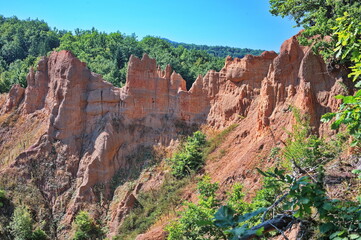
(219, 51)
(22, 41)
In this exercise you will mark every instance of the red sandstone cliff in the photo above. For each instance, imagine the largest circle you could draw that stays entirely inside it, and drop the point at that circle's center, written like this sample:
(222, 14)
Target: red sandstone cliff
(84, 128)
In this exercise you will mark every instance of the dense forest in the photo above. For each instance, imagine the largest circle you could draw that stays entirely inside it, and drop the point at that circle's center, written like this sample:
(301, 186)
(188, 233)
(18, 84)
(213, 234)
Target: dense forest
(219, 51)
(23, 41)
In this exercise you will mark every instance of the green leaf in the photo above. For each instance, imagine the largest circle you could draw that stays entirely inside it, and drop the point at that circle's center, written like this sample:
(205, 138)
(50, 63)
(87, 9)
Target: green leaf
(259, 231)
(327, 117)
(327, 206)
(250, 215)
(336, 234)
(339, 97)
(224, 217)
(354, 236)
(304, 200)
(326, 227)
(358, 93)
(336, 124)
(349, 100)
(237, 232)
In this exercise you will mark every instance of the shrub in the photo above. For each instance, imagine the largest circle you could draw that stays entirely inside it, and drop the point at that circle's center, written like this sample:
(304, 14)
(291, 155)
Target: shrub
(306, 149)
(2, 198)
(39, 234)
(196, 221)
(86, 228)
(190, 158)
(21, 224)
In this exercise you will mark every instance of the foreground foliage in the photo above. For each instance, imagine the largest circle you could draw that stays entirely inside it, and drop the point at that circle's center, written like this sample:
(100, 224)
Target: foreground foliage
(295, 194)
(196, 220)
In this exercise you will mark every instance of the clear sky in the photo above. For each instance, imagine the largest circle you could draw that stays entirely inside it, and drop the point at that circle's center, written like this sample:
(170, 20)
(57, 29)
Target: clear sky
(236, 23)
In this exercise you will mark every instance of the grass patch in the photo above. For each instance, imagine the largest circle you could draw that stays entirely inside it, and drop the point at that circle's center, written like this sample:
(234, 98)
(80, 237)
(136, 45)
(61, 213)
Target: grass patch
(218, 139)
(24, 133)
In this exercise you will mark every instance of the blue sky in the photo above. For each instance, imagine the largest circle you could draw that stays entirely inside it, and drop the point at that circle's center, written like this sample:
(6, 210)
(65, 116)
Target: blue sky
(236, 23)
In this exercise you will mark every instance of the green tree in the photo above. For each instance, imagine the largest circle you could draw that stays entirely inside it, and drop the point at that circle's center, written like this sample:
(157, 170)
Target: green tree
(196, 221)
(190, 158)
(318, 18)
(2, 197)
(86, 228)
(21, 224)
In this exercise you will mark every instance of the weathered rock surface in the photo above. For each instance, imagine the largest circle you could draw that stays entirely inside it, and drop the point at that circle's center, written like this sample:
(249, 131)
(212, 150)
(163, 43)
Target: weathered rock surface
(91, 127)
(16, 95)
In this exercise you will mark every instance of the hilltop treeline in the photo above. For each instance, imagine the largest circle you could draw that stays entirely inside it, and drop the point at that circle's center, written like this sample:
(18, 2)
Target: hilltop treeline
(219, 51)
(23, 41)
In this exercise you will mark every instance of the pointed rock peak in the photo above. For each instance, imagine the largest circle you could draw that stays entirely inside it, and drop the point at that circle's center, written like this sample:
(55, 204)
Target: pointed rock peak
(197, 85)
(269, 54)
(177, 82)
(133, 60)
(290, 46)
(167, 72)
(15, 96)
(145, 57)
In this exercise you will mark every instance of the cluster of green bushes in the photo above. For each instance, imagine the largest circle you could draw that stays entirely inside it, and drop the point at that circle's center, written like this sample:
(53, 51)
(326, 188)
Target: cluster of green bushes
(307, 150)
(184, 164)
(86, 228)
(292, 194)
(21, 226)
(17, 223)
(21, 42)
(190, 157)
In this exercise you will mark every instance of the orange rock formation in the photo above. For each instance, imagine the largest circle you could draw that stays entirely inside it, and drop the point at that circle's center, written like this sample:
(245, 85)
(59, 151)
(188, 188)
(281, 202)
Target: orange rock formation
(91, 126)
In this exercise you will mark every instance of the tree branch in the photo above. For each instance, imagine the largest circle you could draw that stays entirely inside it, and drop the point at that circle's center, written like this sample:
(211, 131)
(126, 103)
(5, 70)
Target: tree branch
(277, 223)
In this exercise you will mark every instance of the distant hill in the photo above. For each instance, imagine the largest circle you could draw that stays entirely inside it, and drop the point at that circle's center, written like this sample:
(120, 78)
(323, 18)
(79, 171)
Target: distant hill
(218, 51)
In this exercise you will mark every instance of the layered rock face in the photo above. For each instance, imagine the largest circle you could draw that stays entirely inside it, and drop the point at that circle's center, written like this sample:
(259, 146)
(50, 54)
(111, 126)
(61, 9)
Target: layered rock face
(91, 127)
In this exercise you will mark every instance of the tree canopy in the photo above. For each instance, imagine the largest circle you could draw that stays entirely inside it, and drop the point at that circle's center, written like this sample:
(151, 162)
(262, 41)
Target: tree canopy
(23, 41)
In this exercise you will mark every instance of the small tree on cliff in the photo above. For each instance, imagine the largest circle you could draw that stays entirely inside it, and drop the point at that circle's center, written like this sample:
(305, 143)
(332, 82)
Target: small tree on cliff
(86, 228)
(22, 226)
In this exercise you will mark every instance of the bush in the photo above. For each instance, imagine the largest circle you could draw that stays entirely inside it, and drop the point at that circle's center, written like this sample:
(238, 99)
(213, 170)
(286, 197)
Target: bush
(86, 228)
(21, 224)
(196, 221)
(190, 158)
(2, 197)
(306, 149)
(39, 234)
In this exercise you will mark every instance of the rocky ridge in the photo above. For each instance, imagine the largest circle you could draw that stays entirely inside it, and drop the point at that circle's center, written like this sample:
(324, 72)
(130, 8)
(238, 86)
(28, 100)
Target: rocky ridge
(88, 128)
